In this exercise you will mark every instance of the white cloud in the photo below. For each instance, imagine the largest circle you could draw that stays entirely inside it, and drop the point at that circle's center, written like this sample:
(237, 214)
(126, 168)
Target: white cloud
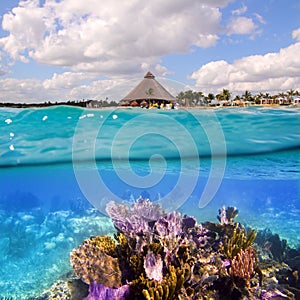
(260, 19)
(111, 37)
(65, 86)
(3, 70)
(67, 80)
(273, 72)
(26, 25)
(75, 86)
(296, 34)
(240, 11)
(241, 25)
(90, 38)
(17, 90)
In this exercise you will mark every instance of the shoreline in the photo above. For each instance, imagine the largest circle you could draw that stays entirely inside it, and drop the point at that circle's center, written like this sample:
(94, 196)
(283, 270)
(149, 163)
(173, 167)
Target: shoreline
(83, 105)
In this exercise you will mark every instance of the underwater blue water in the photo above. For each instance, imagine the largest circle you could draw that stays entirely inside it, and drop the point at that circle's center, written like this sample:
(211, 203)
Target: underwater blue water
(59, 166)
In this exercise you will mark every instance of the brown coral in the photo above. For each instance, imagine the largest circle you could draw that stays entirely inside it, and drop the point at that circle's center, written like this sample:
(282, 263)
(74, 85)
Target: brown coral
(93, 262)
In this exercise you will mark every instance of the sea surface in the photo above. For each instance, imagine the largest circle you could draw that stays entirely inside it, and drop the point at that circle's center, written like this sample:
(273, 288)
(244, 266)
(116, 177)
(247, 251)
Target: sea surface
(59, 167)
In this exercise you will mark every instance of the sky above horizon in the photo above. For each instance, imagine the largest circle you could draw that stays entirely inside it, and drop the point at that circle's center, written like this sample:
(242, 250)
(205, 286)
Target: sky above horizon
(60, 50)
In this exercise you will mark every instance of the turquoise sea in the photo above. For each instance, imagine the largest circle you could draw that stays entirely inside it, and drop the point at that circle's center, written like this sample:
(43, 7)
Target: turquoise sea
(59, 166)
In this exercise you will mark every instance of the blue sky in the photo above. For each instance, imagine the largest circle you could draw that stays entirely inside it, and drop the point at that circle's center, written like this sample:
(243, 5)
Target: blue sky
(58, 50)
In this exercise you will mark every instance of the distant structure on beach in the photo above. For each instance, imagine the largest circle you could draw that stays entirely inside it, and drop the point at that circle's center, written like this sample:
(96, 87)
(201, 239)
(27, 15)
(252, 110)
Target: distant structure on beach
(148, 93)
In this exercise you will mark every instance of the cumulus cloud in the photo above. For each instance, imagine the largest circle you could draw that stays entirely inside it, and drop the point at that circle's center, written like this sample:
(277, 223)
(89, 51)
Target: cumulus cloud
(270, 72)
(296, 34)
(61, 87)
(241, 25)
(3, 69)
(98, 44)
(111, 37)
(67, 80)
(17, 90)
(76, 86)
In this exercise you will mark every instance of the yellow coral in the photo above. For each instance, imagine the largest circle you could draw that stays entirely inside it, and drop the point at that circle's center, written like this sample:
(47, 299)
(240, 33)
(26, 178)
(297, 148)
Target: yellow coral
(136, 263)
(166, 289)
(105, 243)
(239, 241)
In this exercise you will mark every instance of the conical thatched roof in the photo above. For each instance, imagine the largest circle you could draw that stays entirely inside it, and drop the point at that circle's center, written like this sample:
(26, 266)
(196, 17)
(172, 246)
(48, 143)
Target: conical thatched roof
(149, 89)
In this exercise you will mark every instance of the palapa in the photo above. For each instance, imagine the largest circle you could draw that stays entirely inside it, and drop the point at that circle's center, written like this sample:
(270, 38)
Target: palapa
(149, 90)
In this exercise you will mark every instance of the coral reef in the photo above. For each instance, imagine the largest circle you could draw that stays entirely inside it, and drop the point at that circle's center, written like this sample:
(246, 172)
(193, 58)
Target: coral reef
(94, 261)
(100, 291)
(227, 215)
(157, 255)
(238, 241)
(153, 266)
(277, 248)
(167, 289)
(73, 289)
(244, 264)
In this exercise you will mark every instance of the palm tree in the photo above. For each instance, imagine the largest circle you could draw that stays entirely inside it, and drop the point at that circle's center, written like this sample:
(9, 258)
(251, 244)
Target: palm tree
(199, 98)
(191, 97)
(226, 94)
(210, 96)
(290, 93)
(247, 96)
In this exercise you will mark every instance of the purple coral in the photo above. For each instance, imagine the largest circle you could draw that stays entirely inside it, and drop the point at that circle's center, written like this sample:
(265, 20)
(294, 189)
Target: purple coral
(222, 217)
(169, 226)
(102, 292)
(273, 294)
(227, 215)
(188, 222)
(135, 219)
(147, 210)
(201, 236)
(153, 266)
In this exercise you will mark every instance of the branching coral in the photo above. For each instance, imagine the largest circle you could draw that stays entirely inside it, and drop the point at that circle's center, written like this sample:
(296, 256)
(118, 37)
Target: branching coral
(227, 215)
(238, 241)
(244, 264)
(154, 249)
(167, 289)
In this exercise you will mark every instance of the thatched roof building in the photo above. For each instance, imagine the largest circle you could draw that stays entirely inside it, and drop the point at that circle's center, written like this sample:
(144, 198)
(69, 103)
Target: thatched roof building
(146, 92)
